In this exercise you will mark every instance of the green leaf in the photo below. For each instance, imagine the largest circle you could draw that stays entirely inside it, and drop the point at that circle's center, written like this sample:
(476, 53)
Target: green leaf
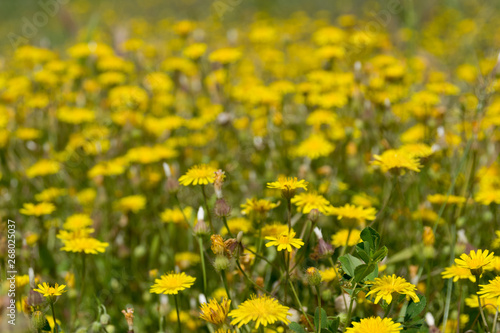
(362, 271)
(333, 325)
(371, 236)
(296, 328)
(324, 320)
(349, 263)
(373, 274)
(363, 250)
(380, 254)
(413, 309)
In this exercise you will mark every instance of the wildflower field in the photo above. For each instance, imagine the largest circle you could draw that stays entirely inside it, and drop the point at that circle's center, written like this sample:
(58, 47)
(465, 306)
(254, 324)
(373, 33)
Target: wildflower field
(235, 166)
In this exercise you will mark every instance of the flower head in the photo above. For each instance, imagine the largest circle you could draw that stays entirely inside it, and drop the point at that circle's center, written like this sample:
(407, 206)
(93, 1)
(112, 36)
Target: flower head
(457, 273)
(396, 160)
(202, 174)
(475, 261)
(375, 325)
(172, 283)
(288, 186)
(49, 291)
(353, 215)
(258, 206)
(285, 241)
(490, 290)
(215, 312)
(131, 203)
(87, 245)
(385, 286)
(43, 208)
(264, 310)
(306, 202)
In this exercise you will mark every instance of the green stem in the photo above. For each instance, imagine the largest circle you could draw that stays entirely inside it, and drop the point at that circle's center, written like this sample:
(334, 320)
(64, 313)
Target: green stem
(202, 257)
(300, 304)
(388, 310)
(289, 215)
(207, 208)
(495, 321)
(179, 327)
(226, 286)
(224, 219)
(56, 329)
(319, 306)
(349, 313)
(481, 307)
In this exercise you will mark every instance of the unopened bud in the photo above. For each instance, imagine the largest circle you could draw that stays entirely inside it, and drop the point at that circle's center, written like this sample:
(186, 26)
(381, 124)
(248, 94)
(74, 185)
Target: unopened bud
(313, 276)
(222, 209)
(105, 319)
(313, 215)
(221, 263)
(324, 249)
(200, 229)
(38, 320)
(96, 327)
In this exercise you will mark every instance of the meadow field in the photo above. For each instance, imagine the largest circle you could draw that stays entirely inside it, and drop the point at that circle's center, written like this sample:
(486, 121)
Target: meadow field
(249, 166)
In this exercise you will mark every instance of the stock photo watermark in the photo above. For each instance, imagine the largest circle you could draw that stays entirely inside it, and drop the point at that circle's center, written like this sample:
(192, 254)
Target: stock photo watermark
(11, 271)
(30, 26)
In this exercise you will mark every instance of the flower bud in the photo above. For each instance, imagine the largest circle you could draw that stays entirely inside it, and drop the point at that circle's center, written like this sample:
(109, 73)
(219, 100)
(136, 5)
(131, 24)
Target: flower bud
(313, 215)
(313, 276)
(38, 320)
(105, 319)
(324, 249)
(221, 263)
(96, 327)
(222, 209)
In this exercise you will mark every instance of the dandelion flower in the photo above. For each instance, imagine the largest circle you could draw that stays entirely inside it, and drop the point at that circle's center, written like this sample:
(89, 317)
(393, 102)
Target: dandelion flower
(343, 237)
(314, 147)
(202, 174)
(259, 206)
(43, 208)
(264, 310)
(375, 325)
(132, 203)
(215, 312)
(77, 221)
(475, 261)
(285, 241)
(87, 245)
(306, 202)
(288, 186)
(490, 290)
(328, 274)
(49, 291)
(396, 160)
(172, 283)
(385, 286)
(353, 215)
(448, 199)
(43, 168)
(457, 273)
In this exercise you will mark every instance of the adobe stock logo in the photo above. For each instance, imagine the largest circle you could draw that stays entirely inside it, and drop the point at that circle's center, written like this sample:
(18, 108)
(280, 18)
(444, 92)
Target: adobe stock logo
(29, 28)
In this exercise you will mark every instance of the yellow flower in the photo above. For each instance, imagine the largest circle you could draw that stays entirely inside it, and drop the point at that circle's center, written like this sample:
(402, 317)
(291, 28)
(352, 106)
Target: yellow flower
(490, 290)
(314, 147)
(77, 221)
(457, 273)
(448, 199)
(218, 246)
(288, 186)
(396, 160)
(50, 194)
(132, 203)
(375, 325)
(87, 245)
(202, 174)
(489, 304)
(215, 312)
(48, 291)
(475, 261)
(353, 215)
(43, 208)
(238, 224)
(186, 259)
(22, 280)
(285, 241)
(274, 229)
(43, 168)
(343, 237)
(69, 235)
(176, 215)
(306, 202)
(172, 283)
(225, 56)
(328, 274)
(264, 310)
(259, 206)
(387, 285)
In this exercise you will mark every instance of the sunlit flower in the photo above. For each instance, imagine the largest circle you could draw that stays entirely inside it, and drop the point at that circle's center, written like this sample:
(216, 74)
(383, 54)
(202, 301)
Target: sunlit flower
(264, 310)
(475, 261)
(43, 208)
(172, 283)
(456, 273)
(86, 245)
(132, 203)
(49, 291)
(288, 186)
(383, 288)
(215, 312)
(285, 241)
(344, 236)
(259, 206)
(307, 201)
(43, 168)
(396, 160)
(77, 221)
(202, 174)
(375, 325)
(353, 215)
